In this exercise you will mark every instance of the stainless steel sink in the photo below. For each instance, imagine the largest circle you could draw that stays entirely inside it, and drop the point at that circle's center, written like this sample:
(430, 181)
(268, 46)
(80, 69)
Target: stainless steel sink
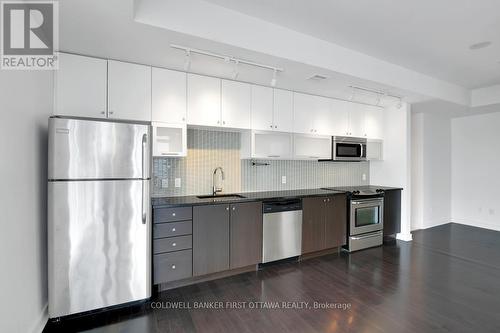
(220, 196)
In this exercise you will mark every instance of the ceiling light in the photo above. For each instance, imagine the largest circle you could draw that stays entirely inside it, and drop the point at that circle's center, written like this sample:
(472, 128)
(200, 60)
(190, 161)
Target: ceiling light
(235, 70)
(187, 61)
(480, 45)
(273, 80)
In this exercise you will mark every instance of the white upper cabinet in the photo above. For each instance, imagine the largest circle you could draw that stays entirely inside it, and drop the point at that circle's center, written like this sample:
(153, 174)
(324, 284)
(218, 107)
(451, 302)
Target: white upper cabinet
(169, 140)
(357, 120)
(236, 102)
(374, 122)
(266, 145)
(203, 100)
(262, 108)
(168, 96)
(282, 110)
(129, 91)
(80, 86)
(303, 105)
(312, 147)
(340, 115)
(323, 120)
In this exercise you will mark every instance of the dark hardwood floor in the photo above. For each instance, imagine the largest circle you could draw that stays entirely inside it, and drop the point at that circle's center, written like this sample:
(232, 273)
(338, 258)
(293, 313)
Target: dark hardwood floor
(447, 279)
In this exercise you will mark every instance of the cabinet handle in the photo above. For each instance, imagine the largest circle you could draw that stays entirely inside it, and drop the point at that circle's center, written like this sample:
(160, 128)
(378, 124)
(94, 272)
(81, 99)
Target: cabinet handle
(183, 119)
(276, 156)
(227, 208)
(275, 126)
(170, 154)
(328, 199)
(174, 244)
(324, 200)
(234, 208)
(271, 126)
(173, 229)
(173, 214)
(218, 122)
(173, 266)
(223, 123)
(111, 112)
(103, 112)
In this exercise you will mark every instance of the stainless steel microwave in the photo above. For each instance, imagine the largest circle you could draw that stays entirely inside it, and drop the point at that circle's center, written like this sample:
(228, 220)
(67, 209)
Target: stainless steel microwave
(347, 149)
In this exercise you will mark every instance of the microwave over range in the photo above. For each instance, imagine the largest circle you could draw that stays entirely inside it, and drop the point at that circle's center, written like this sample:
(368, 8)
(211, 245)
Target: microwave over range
(348, 149)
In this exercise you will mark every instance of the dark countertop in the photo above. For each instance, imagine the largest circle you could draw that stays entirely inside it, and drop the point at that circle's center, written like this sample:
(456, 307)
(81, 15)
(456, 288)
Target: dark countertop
(364, 187)
(192, 200)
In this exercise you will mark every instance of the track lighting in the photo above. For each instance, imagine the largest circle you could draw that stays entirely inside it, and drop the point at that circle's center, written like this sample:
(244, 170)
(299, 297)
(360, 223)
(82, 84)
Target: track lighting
(273, 80)
(235, 70)
(187, 61)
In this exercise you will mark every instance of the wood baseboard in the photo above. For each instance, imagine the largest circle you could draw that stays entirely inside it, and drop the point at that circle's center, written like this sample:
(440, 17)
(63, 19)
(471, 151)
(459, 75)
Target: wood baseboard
(321, 253)
(204, 278)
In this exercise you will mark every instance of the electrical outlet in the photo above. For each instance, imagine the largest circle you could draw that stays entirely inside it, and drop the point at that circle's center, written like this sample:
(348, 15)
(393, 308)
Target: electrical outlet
(177, 182)
(364, 177)
(283, 179)
(164, 183)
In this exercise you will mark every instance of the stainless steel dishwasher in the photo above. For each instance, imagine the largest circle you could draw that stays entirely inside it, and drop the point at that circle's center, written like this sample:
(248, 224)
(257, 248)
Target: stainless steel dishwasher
(282, 230)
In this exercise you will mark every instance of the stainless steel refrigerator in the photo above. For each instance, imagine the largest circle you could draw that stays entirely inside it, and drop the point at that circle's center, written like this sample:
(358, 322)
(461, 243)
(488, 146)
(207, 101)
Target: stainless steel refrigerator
(99, 216)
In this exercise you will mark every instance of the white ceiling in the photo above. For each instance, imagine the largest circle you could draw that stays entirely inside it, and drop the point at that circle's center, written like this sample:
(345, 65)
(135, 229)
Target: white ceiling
(428, 36)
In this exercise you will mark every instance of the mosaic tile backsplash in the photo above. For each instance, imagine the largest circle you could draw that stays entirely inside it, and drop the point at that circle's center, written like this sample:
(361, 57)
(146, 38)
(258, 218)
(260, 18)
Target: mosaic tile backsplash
(210, 149)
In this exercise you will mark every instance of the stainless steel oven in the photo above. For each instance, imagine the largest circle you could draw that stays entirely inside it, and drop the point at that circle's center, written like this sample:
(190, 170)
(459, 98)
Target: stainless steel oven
(366, 223)
(348, 149)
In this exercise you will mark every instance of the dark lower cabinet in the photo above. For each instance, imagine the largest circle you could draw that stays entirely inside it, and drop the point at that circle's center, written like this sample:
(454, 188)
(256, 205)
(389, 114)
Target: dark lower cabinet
(324, 223)
(336, 221)
(313, 224)
(245, 234)
(392, 212)
(210, 239)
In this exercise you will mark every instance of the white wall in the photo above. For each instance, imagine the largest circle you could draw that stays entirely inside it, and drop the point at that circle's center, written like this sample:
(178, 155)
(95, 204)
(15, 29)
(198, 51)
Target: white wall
(25, 104)
(395, 169)
(475, 168)
(431, 163)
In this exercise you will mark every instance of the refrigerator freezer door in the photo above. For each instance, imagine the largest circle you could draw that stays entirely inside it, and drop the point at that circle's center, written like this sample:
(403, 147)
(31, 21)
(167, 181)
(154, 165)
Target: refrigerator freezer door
(92, 149)
(99, 244)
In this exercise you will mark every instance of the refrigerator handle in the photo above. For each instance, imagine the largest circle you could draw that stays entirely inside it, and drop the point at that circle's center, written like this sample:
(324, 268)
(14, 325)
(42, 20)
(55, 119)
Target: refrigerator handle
(144, 168)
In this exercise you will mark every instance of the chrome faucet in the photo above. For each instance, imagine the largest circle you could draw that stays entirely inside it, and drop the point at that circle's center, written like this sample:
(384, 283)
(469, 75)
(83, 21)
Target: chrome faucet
(215, 188)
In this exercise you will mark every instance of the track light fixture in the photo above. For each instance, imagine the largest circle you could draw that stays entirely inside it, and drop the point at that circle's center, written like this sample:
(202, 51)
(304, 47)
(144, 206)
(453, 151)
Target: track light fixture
(227, 59)
(273, 80)
(187, 61)
(235, 70)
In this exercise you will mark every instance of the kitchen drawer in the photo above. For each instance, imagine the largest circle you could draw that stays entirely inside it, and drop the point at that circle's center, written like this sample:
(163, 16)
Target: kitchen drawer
(162, 230)
(172, 244)
(172, 266)
(172, 214)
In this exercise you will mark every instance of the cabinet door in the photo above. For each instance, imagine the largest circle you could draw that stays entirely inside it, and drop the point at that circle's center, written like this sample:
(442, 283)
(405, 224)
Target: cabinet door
(271, 145)
(340, 114)
(303, 111)
(236, 101)
(357, 120)
(392, 212)
(313, 224)
(169, 140)
(80, 86)
(203, 100)
(168, 96)
(374, 122)
(283, 110)
(313, 147)
(335, 221)
(246, 234)
(262, 108)
(322, 117)
(210, 239)
(129, 91)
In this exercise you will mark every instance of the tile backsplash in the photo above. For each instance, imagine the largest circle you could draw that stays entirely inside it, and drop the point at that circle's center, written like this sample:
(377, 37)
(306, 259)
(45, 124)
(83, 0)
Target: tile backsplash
(210, 149)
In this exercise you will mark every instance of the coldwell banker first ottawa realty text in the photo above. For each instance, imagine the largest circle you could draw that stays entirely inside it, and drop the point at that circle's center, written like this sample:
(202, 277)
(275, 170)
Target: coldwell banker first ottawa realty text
(29, 35)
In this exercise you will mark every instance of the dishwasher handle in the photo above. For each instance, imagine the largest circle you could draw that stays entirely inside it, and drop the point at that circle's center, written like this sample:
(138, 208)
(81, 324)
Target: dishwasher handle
(282, 206)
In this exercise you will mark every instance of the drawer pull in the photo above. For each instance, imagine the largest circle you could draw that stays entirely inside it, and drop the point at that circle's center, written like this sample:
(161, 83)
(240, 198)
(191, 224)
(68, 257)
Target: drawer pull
(174, 244)
(173, 229)
(173, 214)
(173, 266)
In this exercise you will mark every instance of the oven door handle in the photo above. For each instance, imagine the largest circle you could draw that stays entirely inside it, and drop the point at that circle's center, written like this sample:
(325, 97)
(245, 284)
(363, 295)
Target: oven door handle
(376, 234)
